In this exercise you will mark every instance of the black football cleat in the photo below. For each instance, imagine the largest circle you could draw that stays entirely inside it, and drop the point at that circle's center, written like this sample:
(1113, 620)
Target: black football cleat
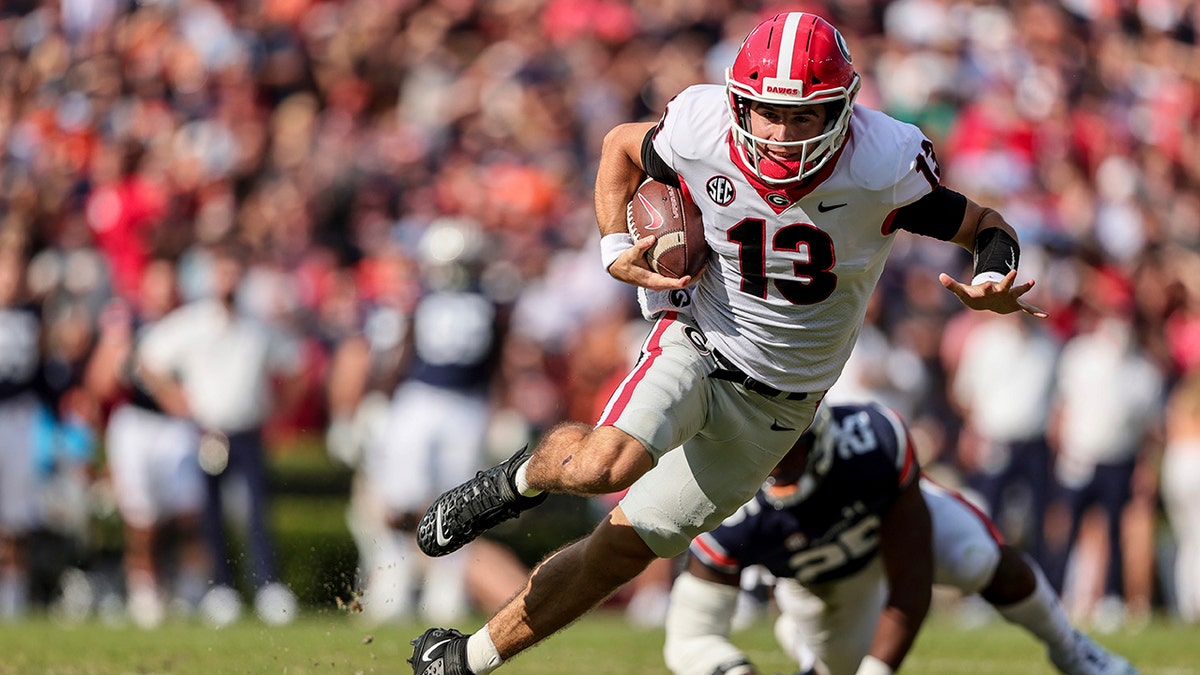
(440, 651)
(463, 513)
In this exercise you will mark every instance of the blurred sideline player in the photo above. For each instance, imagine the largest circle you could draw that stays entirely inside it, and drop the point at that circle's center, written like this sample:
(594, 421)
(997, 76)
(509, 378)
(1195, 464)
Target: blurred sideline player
(358, 412)
(20, 366)
(854, 537)
(226, 372)
(158, 484)
(431, 436)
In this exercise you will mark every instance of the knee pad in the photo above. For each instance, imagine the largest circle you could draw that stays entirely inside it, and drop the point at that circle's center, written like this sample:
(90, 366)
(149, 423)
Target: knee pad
(969, 566)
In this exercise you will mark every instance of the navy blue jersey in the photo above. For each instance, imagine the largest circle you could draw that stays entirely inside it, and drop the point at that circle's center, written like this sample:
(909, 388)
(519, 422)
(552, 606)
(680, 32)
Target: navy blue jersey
(20, 350)
(833, 531)
(455, 338)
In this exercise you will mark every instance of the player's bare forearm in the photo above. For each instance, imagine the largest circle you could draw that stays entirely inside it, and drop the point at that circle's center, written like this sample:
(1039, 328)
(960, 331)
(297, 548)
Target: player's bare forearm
(976, 219)
(906, 544)
(618, 175)
(166, 391)
(348, 374)
(894, 636)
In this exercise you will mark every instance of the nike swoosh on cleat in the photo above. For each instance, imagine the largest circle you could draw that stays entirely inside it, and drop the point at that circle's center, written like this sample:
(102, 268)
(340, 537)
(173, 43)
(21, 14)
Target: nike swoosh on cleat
(825, 209)
(426, 656)
(776, 426)
(442, 539)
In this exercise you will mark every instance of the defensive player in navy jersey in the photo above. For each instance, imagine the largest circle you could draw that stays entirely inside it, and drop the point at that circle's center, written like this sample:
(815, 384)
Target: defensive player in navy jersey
(801, 193)
(434, 436)
(853, 536)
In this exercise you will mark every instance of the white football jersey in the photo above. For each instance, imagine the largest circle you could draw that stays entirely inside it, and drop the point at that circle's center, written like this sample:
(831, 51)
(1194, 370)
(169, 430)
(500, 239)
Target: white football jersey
(786, 289)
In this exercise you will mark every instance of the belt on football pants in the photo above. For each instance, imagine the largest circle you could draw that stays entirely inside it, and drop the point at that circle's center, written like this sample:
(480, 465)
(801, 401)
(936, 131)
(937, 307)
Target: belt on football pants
(731, 373)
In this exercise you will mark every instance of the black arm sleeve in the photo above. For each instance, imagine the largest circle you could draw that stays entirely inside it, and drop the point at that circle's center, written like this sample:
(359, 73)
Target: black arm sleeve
(653, 163)
(938, 214)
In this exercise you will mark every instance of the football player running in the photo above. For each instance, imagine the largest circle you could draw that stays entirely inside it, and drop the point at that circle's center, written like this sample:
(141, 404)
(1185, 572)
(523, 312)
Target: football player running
(801, 193)
(853, 536)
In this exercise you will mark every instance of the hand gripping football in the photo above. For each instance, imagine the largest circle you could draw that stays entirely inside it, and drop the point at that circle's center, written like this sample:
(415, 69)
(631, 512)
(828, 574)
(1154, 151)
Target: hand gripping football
(668, 213)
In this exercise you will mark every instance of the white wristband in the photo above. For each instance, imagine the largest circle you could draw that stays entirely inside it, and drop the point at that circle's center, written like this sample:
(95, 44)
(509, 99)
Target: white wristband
(613, 245)
(984, 277)
(873, 666)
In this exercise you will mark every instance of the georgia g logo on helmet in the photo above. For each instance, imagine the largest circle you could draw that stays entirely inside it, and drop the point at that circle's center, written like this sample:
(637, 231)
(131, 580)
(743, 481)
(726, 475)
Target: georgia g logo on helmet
(841, 43)
(791, 59)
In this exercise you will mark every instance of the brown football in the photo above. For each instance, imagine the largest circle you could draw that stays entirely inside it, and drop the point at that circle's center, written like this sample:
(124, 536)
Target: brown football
(668, 213)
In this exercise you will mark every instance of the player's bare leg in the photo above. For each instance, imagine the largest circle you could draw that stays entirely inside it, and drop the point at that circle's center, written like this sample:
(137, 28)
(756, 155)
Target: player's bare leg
(569, 583)
(561, 589)
(195, 565)
(572, 458)
(577, 459)
(144, 596)
(14, 576)
(1013, 581)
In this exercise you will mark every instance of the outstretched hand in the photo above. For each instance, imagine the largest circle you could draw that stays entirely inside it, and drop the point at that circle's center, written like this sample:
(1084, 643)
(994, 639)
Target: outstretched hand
(632, 268)
(1001, 297)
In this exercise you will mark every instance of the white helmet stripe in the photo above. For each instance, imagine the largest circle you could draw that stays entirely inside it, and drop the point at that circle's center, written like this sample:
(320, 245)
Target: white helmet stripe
(787, 47)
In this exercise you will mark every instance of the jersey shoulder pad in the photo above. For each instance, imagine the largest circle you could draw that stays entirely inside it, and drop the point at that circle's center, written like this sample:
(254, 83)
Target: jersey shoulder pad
(893, 438)
(885, 155)
(694, 124)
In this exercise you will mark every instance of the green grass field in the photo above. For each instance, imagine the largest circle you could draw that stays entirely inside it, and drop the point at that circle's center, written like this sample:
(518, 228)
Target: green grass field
(333, 642)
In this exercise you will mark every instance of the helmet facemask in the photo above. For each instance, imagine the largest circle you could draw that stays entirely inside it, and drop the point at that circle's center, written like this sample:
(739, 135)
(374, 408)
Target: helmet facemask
(815, 152)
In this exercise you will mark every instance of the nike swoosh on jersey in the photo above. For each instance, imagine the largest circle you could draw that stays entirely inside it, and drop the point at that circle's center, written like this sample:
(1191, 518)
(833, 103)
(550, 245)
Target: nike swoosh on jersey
(826, 209)
(442, 539)
(656, 218)
(776, 426)
(426, 656)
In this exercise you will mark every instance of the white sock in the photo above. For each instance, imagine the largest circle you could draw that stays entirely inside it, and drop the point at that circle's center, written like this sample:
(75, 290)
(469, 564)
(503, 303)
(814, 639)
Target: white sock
(1041, 614)
(522, 484)
(482, 657)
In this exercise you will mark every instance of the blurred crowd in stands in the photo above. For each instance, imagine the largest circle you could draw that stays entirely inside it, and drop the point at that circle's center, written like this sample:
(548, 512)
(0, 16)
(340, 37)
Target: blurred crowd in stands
(324, 139)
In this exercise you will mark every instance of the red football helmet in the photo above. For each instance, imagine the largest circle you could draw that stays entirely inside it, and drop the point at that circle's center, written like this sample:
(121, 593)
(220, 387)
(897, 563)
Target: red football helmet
(792, 59)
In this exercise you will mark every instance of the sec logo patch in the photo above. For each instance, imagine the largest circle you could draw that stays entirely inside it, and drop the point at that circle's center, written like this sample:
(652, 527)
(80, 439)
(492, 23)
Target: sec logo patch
(720, 190)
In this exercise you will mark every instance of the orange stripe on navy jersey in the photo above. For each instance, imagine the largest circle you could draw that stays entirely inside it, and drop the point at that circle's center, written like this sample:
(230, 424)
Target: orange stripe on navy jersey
(704, 548)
